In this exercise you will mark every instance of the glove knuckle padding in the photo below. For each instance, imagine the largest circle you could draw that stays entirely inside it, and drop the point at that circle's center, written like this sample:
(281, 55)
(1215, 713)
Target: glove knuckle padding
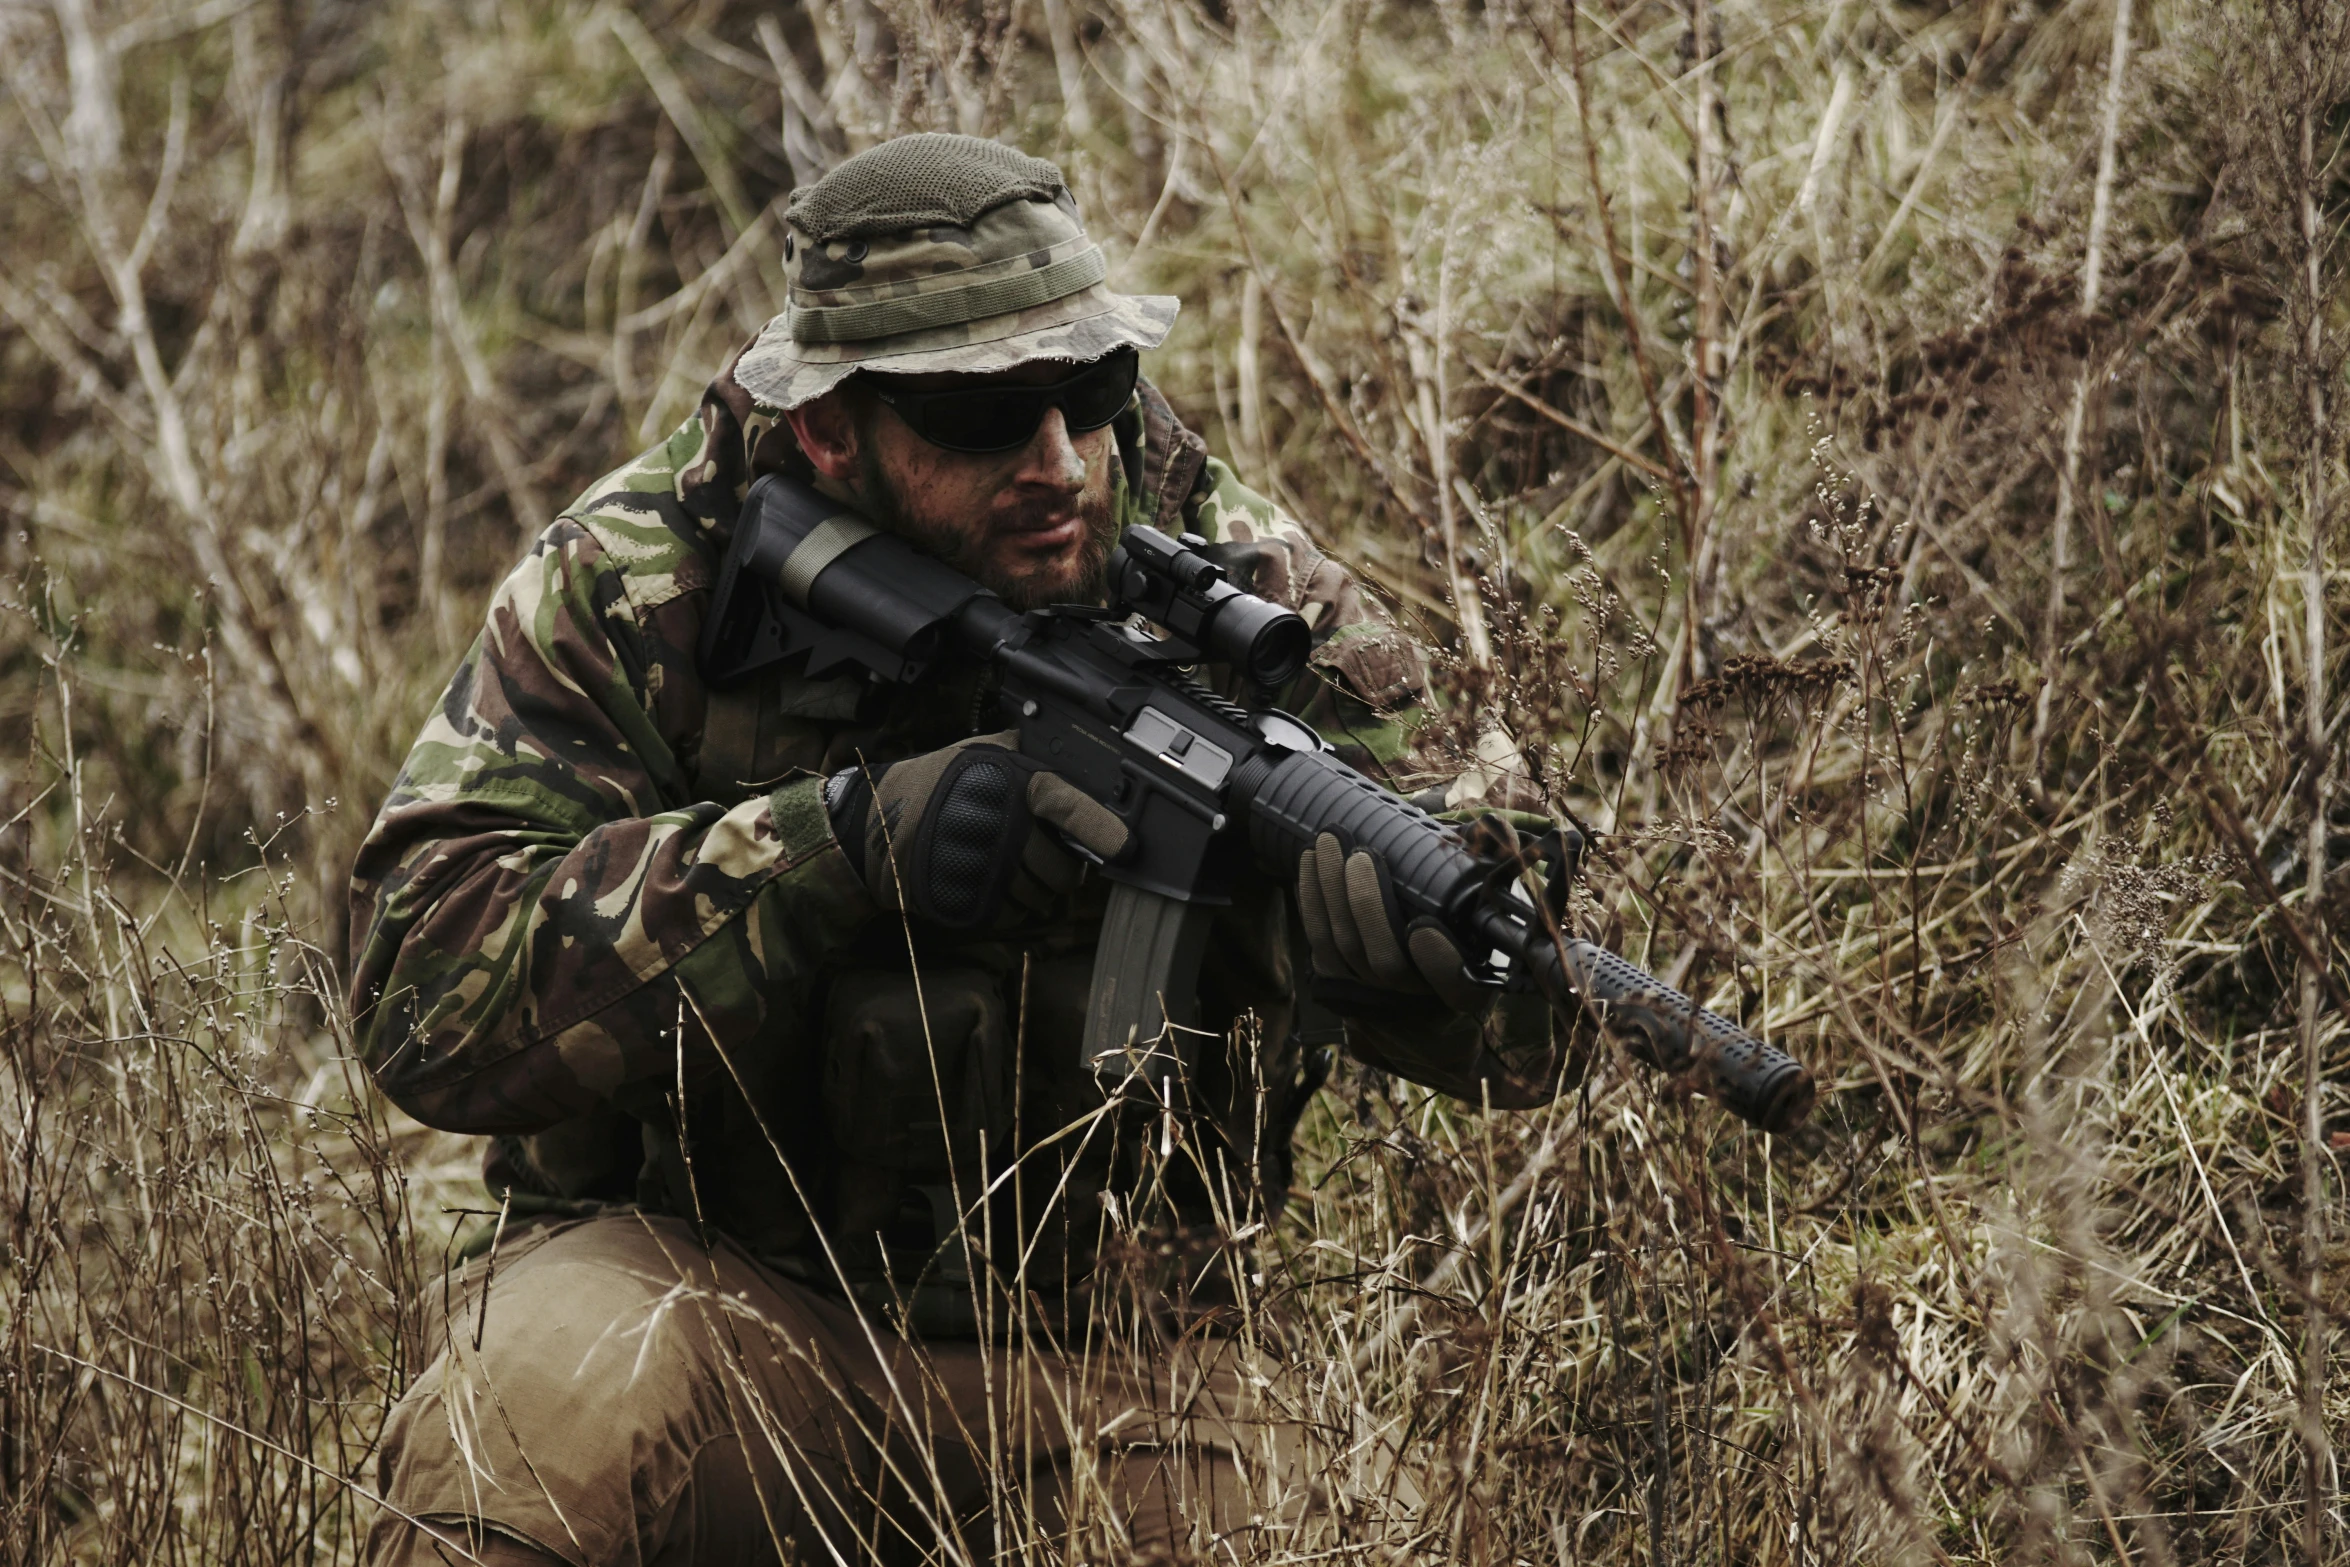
(971, 838)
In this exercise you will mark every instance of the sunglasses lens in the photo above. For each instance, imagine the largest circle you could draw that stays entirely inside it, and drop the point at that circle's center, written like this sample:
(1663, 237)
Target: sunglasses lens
(1093, 399)
(982, 421)
(1000, 418)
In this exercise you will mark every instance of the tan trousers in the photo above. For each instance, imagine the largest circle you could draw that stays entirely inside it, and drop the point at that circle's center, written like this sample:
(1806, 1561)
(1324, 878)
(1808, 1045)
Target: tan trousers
(621, 1394)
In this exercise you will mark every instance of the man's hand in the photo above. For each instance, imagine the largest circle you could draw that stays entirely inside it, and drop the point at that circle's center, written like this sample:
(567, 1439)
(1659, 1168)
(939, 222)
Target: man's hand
(1361, 939)
(953, 835)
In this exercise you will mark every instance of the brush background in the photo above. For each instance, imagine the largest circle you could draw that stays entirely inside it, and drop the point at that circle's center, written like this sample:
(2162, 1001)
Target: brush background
(1879, 459)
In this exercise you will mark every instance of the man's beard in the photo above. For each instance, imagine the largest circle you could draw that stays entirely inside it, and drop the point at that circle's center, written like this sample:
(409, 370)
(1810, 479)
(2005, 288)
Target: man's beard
(1081, 583)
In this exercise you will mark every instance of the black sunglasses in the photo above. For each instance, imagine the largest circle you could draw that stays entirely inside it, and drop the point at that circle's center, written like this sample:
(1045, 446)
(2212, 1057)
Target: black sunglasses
(1001, 418)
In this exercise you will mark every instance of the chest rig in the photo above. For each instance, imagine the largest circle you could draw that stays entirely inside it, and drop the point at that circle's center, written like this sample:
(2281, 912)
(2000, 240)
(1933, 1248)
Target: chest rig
(966, 1156)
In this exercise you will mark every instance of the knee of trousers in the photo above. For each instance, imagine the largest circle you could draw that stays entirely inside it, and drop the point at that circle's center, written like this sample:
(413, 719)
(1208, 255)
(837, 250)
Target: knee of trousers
(613, 1392)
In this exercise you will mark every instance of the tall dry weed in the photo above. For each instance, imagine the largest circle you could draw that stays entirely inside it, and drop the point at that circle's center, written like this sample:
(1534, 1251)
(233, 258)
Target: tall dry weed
(1878, 462)
(207, 1257)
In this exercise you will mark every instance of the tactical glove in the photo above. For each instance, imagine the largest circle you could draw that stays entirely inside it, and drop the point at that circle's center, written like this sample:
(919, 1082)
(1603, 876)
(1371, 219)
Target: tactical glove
(954, 837)
(1362, 943)
(1363, 946)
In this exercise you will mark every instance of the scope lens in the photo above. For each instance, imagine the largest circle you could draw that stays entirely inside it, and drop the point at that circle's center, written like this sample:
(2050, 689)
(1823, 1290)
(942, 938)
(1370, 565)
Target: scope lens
(1261, 637)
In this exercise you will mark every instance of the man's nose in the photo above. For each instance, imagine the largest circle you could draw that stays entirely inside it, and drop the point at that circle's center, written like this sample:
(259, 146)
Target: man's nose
(1051, 459)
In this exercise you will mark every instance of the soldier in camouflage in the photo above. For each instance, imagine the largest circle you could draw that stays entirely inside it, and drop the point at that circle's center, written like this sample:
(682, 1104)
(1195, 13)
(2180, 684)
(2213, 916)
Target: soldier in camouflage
(802, 1221)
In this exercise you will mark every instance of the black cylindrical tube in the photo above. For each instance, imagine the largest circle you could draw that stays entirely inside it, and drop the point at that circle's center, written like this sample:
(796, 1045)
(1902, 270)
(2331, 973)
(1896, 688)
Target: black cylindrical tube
(1259, 637)
(1759, 1083)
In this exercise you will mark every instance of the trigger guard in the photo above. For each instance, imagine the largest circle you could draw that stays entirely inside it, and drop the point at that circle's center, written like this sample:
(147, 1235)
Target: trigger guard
(1081, 851)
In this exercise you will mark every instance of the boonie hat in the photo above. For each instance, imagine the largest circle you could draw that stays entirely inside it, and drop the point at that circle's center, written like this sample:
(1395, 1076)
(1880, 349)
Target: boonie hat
(938, 252)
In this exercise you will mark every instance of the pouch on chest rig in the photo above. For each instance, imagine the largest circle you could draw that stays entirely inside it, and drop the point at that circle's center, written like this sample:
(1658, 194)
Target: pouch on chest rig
(771, 727)
(918, 1099)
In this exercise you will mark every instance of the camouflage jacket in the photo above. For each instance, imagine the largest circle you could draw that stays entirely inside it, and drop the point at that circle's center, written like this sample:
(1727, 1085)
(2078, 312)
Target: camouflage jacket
(602, 918)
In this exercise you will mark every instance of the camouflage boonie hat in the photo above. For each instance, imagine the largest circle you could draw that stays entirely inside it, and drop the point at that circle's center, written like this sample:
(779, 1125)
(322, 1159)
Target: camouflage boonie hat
(938, 252)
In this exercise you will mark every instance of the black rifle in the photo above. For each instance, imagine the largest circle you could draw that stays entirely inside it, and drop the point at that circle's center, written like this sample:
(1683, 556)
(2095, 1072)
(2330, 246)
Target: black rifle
(1208, 788)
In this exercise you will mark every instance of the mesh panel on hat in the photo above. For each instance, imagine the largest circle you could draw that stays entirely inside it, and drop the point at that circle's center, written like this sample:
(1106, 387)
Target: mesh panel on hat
(916, 181)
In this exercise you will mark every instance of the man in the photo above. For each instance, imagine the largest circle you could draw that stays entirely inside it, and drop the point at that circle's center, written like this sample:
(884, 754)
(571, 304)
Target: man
(817, 1239)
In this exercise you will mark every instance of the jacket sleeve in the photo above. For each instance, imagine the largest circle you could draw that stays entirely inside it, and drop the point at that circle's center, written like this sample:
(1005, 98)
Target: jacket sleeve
(1366, 688)
(1366, 681)
(543, 916)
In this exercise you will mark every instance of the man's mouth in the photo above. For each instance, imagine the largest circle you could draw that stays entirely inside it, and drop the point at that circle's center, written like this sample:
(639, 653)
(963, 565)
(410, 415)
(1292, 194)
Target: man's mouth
(1051, 533)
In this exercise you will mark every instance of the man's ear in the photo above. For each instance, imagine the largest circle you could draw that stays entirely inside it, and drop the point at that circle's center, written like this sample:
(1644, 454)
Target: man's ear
(826, 429)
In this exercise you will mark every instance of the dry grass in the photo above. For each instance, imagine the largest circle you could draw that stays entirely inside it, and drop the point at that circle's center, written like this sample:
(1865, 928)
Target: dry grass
(1877, 458)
